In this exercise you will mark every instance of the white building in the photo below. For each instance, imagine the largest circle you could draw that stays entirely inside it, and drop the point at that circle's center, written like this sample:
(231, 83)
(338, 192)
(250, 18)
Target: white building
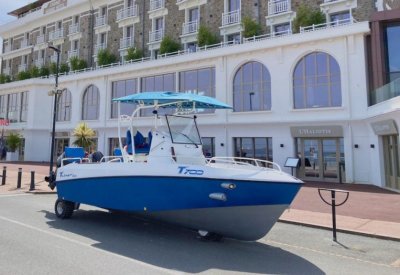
(303, 94)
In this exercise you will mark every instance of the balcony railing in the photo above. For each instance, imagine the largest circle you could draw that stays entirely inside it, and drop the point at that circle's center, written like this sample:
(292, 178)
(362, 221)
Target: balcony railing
(22, 68)
(190, 27)
(229, 18)
(126, 42)
(156, 4)
(74, 28)
(100, 21)
(127, 13)
(155, 36)
(56, 34)
(386, 92)
(73, 53)
(328, 1)
(98, 47)
(39, 62)
(40, 39)
(278, 6)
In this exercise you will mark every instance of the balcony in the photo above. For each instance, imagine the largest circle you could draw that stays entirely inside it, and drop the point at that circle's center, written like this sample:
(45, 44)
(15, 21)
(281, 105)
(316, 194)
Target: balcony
(22, 68)
(56, 34)
(98, 47)
(156, 5)
(156, 36)
(73, 53)
(73, 29)
(230, 18)
(127, 13)
(100, 21)
(190, 27)
(279, 6)
(39, 62)
(126, 42)
(40, 39)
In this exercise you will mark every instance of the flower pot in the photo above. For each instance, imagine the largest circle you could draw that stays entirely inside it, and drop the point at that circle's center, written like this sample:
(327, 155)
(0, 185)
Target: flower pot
(12, 156)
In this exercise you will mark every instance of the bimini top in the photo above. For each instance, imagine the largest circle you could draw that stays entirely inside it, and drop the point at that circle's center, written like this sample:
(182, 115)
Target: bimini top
(174, 100)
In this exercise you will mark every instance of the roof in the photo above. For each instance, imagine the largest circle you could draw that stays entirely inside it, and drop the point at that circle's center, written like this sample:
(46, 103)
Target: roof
(174, 100)
(27, 8)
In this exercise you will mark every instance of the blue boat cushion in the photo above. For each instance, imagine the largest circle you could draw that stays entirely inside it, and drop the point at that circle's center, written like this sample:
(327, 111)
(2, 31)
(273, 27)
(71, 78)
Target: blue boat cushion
(141, 147)
(73, 152)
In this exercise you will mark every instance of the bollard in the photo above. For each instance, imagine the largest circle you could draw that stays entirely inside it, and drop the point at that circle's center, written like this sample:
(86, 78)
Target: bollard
(19, 177)
(32, 187)
(333, 204)
(3, 180)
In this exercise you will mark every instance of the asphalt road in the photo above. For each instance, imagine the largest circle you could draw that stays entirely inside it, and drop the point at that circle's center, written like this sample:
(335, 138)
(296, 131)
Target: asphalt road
(93, 241)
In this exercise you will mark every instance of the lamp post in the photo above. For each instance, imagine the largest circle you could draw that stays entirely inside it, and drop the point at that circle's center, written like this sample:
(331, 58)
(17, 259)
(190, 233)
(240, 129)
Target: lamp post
(51, 179)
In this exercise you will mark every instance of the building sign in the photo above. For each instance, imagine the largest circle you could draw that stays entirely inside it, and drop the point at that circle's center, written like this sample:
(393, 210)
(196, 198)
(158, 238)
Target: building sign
(4, 122)
(317, 131)
(384, 5)
(55, 5)
(385, 127)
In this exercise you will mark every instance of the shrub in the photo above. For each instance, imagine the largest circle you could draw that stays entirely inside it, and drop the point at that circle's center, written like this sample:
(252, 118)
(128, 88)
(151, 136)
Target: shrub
(206, 37)
(13, 140)
(44, 71)
(307, 16)
(83, 135)
(168, 45)
(104, 57)
(77, 64)
(133, 53)
(34, 71)
(250, 27)
(53, 68)
(64, 68)
(23, 75)
(4, 78)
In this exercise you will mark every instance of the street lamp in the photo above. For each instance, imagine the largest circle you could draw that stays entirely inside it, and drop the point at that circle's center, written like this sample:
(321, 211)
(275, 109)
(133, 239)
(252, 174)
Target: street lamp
(51, 178)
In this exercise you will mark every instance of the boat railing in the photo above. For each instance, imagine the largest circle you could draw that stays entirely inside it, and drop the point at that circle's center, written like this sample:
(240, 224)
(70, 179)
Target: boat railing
(66, 161)
(240, 161)
(111, 159)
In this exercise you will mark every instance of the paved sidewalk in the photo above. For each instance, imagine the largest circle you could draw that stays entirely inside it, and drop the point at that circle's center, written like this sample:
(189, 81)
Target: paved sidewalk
(370, 210)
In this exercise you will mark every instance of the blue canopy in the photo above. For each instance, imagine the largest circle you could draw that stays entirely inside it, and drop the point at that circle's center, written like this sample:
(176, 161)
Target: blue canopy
(181, 100)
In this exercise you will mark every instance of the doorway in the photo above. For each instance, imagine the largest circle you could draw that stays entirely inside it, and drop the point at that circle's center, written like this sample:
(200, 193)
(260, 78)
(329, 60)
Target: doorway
(391, 161)
(321, 159)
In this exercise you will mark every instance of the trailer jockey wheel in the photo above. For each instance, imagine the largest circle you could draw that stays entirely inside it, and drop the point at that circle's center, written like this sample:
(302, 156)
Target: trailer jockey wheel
(64, 209)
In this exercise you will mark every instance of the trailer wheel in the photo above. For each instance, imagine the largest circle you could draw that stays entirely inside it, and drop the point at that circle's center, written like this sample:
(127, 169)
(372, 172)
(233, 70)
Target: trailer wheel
(64, 209)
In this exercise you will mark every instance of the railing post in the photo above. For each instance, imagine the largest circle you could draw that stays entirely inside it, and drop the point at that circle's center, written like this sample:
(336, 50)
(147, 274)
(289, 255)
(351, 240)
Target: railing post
(3, 180)
(19, 178)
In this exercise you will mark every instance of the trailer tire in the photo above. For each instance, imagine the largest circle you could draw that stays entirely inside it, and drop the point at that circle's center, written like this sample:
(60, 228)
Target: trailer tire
(64, 209)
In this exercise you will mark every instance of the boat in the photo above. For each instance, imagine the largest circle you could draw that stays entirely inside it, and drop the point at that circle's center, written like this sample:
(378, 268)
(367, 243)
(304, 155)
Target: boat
(170, 179)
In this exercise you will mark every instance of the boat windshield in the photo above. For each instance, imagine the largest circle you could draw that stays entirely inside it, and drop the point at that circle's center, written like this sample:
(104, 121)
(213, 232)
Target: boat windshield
(183, 130)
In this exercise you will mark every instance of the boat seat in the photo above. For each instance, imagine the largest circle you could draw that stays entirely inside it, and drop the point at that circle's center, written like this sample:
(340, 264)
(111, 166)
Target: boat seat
(73, 154)
(141, 147)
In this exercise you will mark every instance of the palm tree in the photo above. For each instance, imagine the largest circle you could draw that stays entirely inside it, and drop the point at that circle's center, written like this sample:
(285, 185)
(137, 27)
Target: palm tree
(83, 135)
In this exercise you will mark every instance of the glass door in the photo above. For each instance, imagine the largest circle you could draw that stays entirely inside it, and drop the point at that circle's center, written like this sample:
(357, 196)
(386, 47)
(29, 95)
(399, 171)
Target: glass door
(391, 161)
(330, 158)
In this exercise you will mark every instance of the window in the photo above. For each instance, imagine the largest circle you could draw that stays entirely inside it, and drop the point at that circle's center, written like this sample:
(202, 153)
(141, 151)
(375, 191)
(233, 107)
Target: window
(200, 81)
(119, 89)
(252, 88)
(282, 29)
(159, 24)
(24, 106)
(235, 38)
(340, 18)
(392, 52)
(64, 106)
(316, 82)
(193, 15)
(90, 103)
(13, 107)
(3, 106)
(113, 143)
(165, 82)
(253, 147)
(233, 5)
(208, 146)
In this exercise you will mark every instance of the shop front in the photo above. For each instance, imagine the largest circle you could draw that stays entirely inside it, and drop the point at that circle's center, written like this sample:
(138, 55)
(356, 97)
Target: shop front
(321, 153)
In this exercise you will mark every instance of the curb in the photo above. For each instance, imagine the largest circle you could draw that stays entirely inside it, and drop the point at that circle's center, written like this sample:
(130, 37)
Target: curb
(342, 230)
(40, 193)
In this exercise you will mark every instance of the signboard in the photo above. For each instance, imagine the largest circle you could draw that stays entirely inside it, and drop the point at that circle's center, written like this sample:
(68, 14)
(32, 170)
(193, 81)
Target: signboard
(292, 162)
(385, 127)
(316, 131)
(4, 122)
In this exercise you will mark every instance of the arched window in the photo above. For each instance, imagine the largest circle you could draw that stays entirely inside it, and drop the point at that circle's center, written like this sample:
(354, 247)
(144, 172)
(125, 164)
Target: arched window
(64, 106)
(316, 82)
(90, 103)
(252, 88)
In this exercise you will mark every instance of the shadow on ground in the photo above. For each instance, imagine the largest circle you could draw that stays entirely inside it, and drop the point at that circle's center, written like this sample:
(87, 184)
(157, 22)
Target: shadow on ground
(178, 249)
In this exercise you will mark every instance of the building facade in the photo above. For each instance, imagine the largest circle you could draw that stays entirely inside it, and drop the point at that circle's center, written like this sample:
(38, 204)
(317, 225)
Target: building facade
(327, 93)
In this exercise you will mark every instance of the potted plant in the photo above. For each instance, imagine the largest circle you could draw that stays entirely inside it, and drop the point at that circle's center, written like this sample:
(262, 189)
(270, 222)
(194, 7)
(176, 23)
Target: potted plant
(13, 141)
(83, 135)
